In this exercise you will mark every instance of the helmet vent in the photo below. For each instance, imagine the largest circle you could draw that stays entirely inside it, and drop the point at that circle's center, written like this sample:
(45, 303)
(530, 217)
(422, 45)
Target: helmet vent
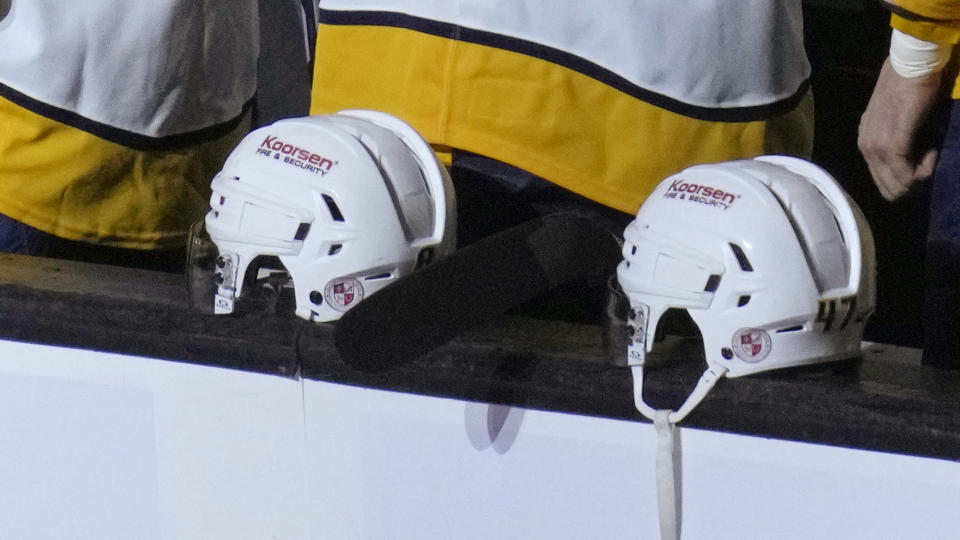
(334, 209)
(385, 275)
(713, 282)
(334, 249)
(839, 229)
(302, 231)
(744, 300)
(742, 259)
(796, 328)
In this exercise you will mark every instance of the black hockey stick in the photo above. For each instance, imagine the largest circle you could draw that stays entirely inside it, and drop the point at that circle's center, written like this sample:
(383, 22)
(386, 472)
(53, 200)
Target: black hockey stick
(482, 281)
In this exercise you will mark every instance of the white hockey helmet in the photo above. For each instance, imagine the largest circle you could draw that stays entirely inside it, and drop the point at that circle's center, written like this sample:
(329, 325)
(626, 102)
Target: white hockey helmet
(770, 258)
(343, 204)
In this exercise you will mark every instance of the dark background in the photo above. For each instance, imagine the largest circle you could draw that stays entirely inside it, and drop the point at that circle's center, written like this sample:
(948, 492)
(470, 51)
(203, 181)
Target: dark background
(847, 41)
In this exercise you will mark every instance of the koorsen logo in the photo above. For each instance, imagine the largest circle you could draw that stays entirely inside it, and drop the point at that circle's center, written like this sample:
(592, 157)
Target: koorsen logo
(701, 193)
(294, 155)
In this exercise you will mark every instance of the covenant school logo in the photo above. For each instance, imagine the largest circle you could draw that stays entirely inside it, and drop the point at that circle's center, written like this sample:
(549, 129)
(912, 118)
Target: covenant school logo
(700, 193)
(295, 156)
(343, 293)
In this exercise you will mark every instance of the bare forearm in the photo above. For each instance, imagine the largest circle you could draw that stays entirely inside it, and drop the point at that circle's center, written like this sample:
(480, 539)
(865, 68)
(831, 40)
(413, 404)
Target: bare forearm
(889, 130)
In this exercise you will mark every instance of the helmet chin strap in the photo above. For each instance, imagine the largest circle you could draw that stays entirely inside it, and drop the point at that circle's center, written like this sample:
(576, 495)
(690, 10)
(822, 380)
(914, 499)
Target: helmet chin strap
(669, 484)
(706, 382)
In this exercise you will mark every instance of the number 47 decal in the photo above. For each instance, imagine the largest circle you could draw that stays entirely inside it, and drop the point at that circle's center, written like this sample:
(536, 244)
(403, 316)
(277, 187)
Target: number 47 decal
(830, 310)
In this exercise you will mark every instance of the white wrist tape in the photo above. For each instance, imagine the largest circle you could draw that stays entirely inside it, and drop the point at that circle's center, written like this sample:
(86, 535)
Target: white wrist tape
(912, 57)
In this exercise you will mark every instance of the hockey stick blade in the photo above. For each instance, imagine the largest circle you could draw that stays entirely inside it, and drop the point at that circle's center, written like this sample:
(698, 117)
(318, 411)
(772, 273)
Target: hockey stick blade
(468, 288)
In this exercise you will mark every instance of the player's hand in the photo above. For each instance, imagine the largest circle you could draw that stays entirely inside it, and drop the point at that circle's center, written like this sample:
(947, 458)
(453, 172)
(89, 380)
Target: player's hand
(889, 129)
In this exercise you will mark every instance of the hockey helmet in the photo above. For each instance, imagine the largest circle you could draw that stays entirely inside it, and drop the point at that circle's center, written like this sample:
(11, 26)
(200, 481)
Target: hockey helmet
(338, 206)
(770, 258)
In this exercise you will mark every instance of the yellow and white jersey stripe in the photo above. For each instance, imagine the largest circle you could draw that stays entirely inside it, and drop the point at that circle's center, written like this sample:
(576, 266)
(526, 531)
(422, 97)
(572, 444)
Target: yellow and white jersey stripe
(131, 71)
(605, 99)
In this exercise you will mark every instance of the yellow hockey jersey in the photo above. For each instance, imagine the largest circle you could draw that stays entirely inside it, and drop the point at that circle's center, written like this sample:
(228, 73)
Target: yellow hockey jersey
(603, 98)
(114, 116)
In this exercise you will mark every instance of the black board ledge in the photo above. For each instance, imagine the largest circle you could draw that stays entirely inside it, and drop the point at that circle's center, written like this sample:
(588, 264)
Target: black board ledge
(887, 406)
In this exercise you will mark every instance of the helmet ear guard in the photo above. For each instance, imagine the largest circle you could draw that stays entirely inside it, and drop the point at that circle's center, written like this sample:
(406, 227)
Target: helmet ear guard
(769, 257)
(342, 204)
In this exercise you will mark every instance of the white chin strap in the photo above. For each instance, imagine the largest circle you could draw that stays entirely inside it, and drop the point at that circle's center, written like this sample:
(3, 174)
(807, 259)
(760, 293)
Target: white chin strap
(706, 382)
(669, 484)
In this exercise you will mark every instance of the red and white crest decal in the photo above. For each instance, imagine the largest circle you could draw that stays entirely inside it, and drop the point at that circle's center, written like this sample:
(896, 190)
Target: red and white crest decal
(342, 293)
(751, 344)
